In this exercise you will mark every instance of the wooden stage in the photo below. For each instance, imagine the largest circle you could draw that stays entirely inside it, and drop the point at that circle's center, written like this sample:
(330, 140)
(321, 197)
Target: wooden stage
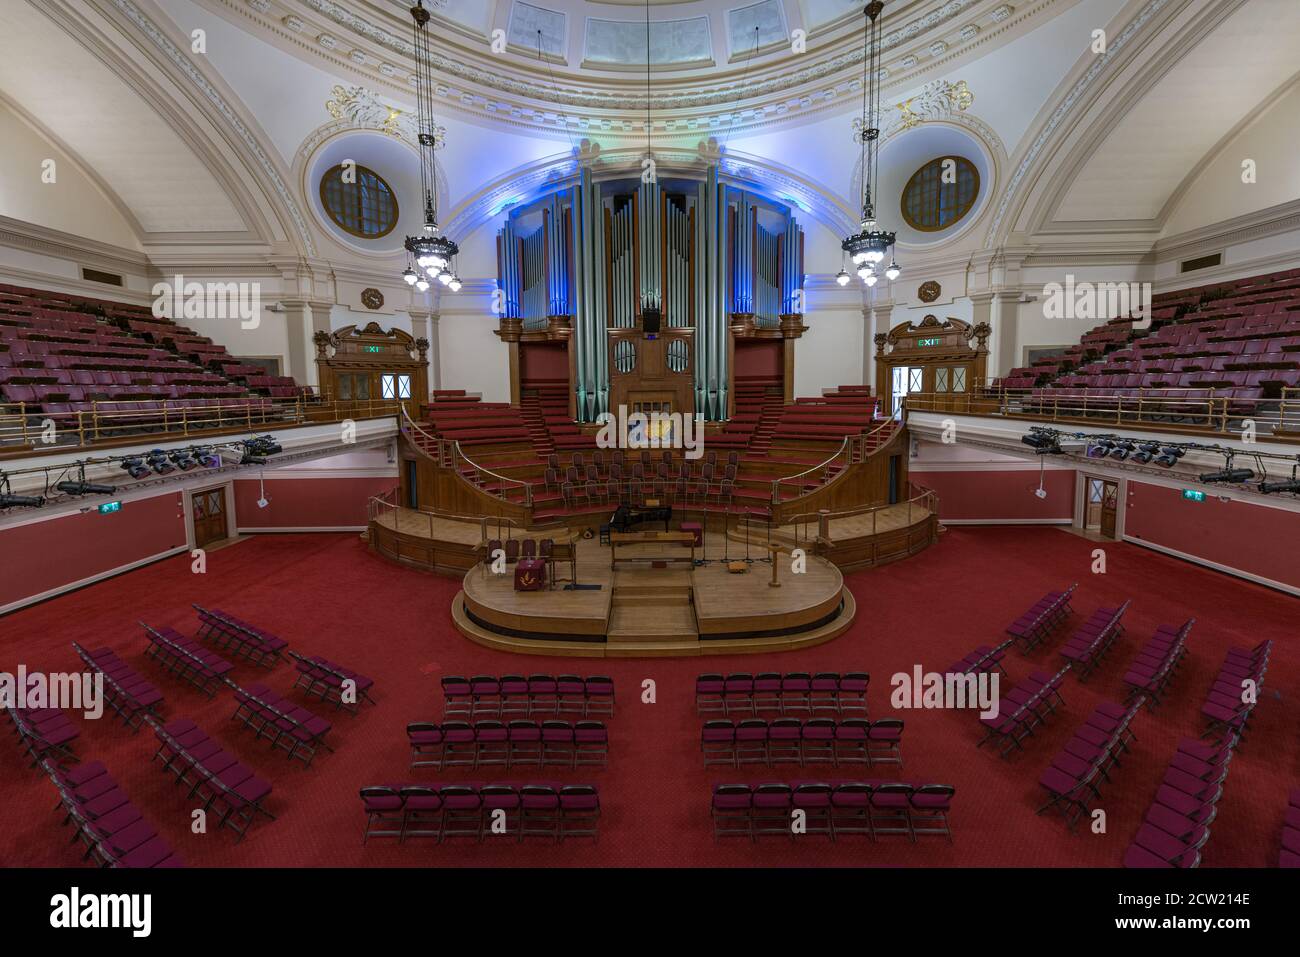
(642, 611)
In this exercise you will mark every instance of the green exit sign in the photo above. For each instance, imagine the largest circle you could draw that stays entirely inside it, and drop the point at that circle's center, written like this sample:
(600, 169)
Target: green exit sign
(928, 342)
(108, 508)
(374, 348)
(1192, 495)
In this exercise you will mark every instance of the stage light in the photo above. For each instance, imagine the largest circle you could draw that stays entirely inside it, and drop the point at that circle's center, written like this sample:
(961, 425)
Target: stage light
(21, 501)
(207, 457)
(843, 278)
(85, 488)
(1230, 476)
(1122, 450)
(1042, 443)
(1290, 485)
(157, 461)
(1100, 450)
(136, 468)
(253, 460)
(1167, 461)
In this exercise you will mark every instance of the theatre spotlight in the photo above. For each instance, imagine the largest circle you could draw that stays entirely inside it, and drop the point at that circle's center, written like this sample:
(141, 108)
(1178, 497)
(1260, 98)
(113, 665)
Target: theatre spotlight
(1122, 450)
(253, 460)
(1146, 452)
(1229, 476)
(208, 458)
(135, 467)
(1100, 450)
(85, 488)
(159, 463)
(21, 501)
(1042, 443)
(1290, 485)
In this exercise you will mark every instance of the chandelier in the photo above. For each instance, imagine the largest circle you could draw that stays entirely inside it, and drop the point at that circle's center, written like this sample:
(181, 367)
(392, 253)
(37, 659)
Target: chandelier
(869, 247)
(433, 254)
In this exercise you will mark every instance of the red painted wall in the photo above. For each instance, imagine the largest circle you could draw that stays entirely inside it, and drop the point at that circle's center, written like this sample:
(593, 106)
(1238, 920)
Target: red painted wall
(307, 503)
(42, 556)
(537, 361)
(755, 359)
(1000, 495)
(1253, 538)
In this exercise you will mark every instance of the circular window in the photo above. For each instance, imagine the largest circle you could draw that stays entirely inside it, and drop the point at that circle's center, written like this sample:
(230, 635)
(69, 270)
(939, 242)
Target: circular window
(359, 201)
(940, 193)
(624, 356)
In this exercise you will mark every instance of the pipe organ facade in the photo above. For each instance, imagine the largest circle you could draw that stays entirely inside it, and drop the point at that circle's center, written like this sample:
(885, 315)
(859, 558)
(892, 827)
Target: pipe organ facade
(715, 261)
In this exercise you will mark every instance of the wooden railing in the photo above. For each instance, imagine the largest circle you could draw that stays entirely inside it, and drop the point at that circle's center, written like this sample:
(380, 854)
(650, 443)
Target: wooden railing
(853, 450)
(922, 504)
(447, 454)
(1175, 409)
(385, 506)
(25, 430)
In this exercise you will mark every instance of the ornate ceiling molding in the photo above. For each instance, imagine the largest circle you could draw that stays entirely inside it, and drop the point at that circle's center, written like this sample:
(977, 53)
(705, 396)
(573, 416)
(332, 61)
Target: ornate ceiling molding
(590, 102)
(1078, 93)
(237, 126)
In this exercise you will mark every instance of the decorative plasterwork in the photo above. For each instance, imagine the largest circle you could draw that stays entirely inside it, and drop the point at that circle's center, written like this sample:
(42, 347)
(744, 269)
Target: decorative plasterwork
(360, 108)
(1114, 48)
(935, 101)
(525, 184)
(472, 77)
(254, 148)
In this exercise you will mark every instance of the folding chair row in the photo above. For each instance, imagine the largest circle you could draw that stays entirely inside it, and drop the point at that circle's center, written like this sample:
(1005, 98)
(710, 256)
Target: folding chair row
(1177, 824)
(489, 695)
(1037, 624)
(44, 733)
(520, 743)
(299, 732)
(131, 696)
(481, 812)
(789, 740)
(324, 679)
(853, 807)
(1074, 777)
(828, 692)
(242, 639)
(1150, 670)
(1236, 691)
(1022, 710)
(1290, 854)
(983, 659)
(107, 823)
(217, 779)
(186, 658)
(1090, 642)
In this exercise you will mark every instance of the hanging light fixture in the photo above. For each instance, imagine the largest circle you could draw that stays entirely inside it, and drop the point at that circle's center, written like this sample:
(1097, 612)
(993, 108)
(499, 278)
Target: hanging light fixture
(869, 246)
(432, 252)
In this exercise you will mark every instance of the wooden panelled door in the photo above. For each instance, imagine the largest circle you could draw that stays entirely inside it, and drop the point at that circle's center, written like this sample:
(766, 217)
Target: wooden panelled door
(209, 512)
(1102, 507)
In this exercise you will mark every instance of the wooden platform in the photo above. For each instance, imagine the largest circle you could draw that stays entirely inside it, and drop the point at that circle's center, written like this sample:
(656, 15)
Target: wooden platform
(856, 541)
(645, 611)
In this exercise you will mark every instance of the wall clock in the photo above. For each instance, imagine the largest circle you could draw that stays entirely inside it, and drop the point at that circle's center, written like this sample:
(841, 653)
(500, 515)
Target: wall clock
(372, 298)
(928, 291)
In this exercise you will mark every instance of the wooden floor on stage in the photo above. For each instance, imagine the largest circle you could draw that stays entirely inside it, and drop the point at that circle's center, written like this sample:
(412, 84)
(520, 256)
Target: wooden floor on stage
(641, 610)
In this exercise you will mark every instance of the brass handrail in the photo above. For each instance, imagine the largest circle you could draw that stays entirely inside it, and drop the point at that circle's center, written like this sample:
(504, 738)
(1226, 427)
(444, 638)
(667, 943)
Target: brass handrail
(851, 444)
(457, 453)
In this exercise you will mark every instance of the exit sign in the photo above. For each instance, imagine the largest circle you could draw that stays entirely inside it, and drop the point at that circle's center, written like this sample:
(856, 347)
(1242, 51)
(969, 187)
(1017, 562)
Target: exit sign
(1192, 495)
(374, 348)
(108, 508)
(928, 342)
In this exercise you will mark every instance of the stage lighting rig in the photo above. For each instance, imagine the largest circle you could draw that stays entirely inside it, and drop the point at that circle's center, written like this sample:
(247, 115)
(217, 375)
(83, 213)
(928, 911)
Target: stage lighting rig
(1229, 476)
(135, 467)
(82, 487)
(1291, 485)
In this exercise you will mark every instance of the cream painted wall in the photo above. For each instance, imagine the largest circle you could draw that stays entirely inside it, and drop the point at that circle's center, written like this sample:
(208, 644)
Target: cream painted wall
(72, 204)
(1272, 140)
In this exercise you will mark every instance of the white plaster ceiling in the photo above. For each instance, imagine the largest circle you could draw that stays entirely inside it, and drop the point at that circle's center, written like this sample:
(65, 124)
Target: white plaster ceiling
(1211, 89)
(74, 96)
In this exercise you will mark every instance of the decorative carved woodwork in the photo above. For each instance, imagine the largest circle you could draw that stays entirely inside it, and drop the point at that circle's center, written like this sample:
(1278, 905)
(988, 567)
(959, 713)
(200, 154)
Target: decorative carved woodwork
(352, 361)
(934, 345)
(651, 382)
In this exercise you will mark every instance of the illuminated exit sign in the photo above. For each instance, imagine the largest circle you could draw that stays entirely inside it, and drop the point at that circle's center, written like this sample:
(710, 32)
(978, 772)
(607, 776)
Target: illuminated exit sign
(928, 342)
(374, 348)
(108, 508)
(1192, 495)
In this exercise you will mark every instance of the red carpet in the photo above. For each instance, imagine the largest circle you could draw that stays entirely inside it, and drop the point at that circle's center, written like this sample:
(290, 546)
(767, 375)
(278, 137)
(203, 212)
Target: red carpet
(326, 594)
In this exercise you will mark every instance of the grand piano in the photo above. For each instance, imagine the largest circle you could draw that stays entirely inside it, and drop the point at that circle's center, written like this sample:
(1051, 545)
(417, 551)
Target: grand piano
(627, 517)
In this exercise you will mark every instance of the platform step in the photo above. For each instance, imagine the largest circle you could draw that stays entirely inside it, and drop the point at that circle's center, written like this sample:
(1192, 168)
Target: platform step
(672, 623)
